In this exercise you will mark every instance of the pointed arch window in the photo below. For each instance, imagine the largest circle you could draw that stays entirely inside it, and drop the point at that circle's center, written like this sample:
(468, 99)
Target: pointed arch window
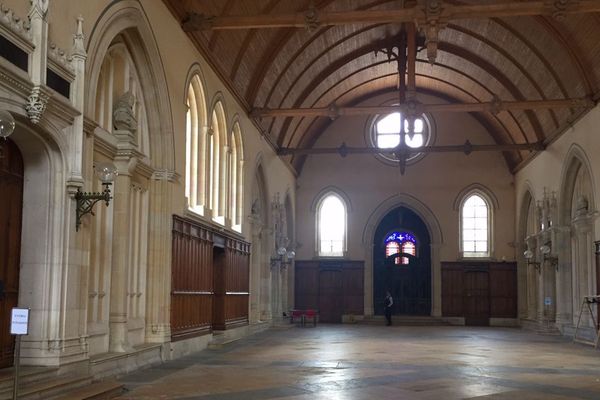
(331, 226)
(196, 147)
(236, 185)
(218, 164)
(475, 226)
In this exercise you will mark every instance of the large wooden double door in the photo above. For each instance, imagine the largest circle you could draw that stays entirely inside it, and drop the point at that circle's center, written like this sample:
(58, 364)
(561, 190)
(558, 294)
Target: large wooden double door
(11, 206)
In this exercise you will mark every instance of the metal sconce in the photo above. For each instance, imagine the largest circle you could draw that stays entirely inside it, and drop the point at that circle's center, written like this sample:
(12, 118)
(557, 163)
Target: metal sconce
(106, 172)
(283, 258)
(546, 249)
(529, 257)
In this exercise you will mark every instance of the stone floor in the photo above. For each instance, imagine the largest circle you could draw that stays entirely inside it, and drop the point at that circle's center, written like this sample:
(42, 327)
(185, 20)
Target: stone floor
(376, 362)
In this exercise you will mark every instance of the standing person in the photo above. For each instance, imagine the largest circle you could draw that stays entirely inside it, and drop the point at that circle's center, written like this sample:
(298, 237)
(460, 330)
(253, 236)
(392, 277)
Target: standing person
(389, 302)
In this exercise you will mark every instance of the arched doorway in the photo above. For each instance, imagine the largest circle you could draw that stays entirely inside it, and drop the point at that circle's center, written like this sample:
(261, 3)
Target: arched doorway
(11, 206)
(402, 263)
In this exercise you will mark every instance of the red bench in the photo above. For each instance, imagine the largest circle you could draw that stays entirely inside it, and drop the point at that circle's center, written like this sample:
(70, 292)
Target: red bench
(303, 316)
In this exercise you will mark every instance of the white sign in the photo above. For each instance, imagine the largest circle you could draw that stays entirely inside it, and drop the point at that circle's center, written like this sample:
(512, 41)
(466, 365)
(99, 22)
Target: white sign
(19, 321)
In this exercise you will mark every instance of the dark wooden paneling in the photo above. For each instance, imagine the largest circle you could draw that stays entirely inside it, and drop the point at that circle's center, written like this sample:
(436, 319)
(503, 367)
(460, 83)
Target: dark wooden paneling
(477, 297)
(306, 284)
(330, 295)
(11, 207)
(452, 291)
(479, 291)
(334, 288)
(237, 283)
(503, 290)
(191, 280)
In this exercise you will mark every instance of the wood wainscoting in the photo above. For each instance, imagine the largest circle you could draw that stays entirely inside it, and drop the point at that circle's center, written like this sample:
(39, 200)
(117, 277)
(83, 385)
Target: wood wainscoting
(478, 291)
(334, 288)
(209, 280)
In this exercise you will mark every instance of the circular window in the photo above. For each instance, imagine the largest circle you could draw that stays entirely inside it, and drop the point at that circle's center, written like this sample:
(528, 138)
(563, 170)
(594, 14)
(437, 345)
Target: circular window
(385, 133)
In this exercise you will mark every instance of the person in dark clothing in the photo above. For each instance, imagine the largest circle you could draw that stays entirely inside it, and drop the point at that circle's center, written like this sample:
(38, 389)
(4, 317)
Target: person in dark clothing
(389, 302)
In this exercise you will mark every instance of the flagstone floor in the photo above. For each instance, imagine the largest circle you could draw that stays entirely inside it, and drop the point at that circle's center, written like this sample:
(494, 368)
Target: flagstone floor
(350, 362)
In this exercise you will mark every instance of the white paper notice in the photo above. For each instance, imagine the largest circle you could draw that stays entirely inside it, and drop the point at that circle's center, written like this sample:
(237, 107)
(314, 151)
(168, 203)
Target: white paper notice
(19, 321)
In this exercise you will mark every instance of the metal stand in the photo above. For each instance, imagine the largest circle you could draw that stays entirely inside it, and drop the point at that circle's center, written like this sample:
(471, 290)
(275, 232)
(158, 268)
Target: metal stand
(587, 302)
(17, 361)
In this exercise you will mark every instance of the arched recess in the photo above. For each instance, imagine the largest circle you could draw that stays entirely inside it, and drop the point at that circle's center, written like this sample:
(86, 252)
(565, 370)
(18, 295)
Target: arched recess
(435, 235)
(577, 213)
(260, 273)
(218, 144)
(46, 223)
(143, 184)
(527, 274)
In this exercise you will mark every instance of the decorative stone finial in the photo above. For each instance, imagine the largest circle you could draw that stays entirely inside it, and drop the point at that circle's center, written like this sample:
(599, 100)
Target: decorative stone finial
(78, 39)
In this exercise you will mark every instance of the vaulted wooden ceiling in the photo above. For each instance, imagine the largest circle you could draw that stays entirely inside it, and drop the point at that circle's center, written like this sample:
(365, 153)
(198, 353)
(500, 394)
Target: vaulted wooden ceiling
(291, 54)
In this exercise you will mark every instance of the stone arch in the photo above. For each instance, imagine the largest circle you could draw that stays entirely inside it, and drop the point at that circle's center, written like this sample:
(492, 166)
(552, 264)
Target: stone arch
(527, 275)
(127, 18)
(575, 239)
(435, 234)
(47, 220)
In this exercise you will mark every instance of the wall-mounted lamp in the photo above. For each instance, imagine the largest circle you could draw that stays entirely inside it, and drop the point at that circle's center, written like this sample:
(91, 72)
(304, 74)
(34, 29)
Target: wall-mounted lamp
(106, 172)
(529, 257)
(283, 258)
(7, 124)
(546, 249)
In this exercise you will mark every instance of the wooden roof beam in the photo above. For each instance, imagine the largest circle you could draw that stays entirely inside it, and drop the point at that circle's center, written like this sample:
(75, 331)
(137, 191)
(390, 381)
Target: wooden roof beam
(418, 108)
(425, 13)
(466, 148)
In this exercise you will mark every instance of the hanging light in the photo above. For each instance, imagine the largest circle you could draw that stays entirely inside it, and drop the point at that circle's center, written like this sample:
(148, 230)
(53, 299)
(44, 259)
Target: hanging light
(7, 124)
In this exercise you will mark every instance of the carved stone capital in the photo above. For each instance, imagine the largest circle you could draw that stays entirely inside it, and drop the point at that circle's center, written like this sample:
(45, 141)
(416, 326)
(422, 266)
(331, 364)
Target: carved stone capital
(36, 103)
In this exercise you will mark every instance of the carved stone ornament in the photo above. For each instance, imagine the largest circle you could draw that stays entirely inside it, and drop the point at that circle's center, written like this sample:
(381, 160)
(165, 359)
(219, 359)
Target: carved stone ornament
(14, 23)
(582, 205)
(123, 117)
(36, 104)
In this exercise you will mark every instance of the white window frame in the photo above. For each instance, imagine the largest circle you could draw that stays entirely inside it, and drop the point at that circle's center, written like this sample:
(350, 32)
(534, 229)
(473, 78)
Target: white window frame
(490, 226)
(318, 251)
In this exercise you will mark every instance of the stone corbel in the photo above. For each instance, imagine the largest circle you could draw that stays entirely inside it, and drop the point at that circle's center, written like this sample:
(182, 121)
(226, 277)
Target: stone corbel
(431, 26)
(311, 19)
(36, 103)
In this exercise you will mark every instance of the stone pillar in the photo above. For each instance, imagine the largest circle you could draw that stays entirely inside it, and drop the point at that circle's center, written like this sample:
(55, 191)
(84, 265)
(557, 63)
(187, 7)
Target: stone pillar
(119, 279)
(158, 313)
(564, 297)
(255, 268)
(583, 283)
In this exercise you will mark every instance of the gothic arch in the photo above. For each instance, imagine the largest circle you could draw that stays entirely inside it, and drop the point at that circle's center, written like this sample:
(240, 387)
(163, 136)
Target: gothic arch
(575, 159)
(435, 233)
(128, 19)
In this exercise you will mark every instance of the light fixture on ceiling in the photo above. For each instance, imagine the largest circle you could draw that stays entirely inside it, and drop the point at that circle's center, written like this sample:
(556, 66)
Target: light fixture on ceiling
(546, 250)
(106, 172)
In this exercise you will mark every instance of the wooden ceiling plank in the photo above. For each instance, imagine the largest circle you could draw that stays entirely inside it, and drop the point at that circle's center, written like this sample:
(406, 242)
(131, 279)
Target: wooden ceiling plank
(494, 107)
(449, 12)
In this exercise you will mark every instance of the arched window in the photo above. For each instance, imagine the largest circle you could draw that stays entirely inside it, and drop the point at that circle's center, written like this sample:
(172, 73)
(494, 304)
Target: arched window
(387, 134)
(475, 227)
(400, 242)
(218, 164)
(236, 185)
(195, 145)
(331, 226)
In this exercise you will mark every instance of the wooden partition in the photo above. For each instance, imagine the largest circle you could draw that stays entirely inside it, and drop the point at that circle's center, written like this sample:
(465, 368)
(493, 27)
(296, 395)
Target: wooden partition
(191, 280)
(233, 285)
(335, 288)
(209, 280)
(479, 291)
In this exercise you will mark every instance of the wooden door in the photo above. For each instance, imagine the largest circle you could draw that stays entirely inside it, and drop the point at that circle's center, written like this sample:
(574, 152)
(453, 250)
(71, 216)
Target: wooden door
(330, 296)
(11, 206)
(476, 298)
(218, 317)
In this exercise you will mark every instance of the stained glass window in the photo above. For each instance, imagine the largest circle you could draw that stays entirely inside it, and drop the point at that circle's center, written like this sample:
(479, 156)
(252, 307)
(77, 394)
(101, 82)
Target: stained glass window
(400, 242)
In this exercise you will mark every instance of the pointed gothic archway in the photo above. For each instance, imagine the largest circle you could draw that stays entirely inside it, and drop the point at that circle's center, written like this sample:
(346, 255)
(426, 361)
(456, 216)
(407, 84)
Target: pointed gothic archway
(11, 206)
(402, 263)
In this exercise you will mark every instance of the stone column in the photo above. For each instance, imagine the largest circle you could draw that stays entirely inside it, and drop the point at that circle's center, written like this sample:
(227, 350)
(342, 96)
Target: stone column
(583, 284)
(119, 279)
(564, 304)
(255, 268)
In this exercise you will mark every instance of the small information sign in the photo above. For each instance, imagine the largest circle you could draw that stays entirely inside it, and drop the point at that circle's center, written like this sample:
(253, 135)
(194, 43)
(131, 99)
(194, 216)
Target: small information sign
(548, 301)
(19, 321)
